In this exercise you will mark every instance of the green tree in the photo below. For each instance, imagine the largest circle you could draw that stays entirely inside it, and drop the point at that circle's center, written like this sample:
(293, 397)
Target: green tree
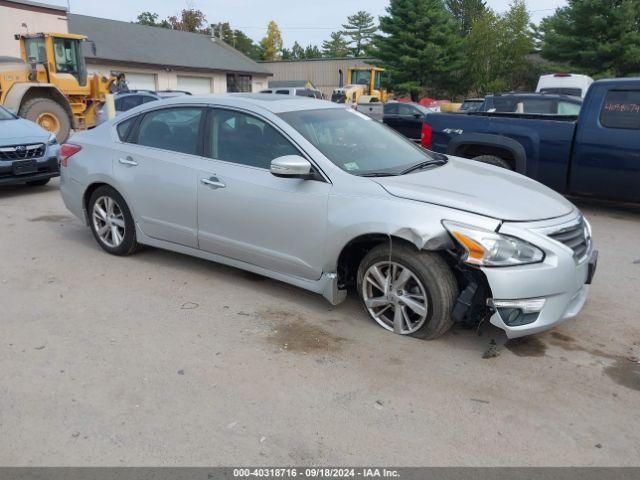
(312, 51)
(336, 46)
(359, 29)
(497, 50)
(151, 20)
(421, 48)
(601, 37)
(297, 51)
(272, 43)
(466, 12)
(237, 39)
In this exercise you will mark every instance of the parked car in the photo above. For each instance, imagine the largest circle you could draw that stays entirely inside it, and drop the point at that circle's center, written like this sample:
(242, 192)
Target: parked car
(405, 118)
(545, 104)
(322, 197)
(133, 98)
(299, 91)
(28, 153)
(595, 154)
(564, 84)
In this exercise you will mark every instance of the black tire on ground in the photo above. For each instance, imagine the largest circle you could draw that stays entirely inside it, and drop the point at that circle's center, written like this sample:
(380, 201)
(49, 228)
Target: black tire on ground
(436, 277)
(33, 108)
(38, 183)
(129, 244)
(493, 160)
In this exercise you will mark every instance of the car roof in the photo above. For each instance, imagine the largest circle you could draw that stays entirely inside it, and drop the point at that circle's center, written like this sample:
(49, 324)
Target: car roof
(273, 103)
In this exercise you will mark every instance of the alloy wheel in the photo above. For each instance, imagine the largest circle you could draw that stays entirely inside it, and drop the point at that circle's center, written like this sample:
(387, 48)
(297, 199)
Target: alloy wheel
(395, 297)
(108, 221)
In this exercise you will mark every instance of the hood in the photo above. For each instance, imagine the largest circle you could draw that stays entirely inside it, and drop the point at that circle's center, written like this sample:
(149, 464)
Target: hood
(13, 132)
(479, 188)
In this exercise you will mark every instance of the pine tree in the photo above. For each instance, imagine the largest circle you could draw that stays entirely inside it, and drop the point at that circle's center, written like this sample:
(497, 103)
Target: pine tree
(297, 51)
(336, 46)
(272, 43)
(466, 12)
(600, 37)
(421, 48)
(359, 29)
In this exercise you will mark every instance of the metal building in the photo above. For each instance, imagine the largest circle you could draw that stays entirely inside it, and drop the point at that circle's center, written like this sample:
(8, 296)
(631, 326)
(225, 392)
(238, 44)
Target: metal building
(323, 73)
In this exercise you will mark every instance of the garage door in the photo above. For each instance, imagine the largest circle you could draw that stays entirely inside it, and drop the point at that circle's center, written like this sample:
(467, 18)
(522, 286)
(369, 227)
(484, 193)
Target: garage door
(194, 85)
(141, 81)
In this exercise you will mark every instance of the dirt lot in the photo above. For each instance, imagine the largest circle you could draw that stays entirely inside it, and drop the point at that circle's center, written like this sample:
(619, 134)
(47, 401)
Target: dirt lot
(162, 359)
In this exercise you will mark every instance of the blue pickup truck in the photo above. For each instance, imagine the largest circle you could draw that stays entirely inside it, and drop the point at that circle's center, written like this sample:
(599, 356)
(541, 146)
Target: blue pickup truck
(595, 154)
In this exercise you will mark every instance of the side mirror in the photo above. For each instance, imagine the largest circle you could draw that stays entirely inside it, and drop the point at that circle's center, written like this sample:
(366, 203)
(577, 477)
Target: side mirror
(291, 166)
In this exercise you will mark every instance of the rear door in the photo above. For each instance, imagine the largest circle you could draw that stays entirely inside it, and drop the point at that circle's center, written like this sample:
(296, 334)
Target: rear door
(390, 117)
(156, 169)
(248, 214)
(606, 158)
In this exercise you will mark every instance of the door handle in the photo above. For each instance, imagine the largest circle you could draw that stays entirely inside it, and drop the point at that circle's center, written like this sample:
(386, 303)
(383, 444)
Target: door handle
(128, 161)
(213, 182)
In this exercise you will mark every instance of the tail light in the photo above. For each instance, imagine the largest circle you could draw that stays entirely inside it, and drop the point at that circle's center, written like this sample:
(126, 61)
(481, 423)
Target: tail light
(67, 150)
(426, 136)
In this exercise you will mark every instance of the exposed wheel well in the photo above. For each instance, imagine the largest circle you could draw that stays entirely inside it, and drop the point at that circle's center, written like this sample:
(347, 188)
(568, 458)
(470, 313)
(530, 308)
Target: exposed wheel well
(87, 195)
(472, 151)
(353, 253)
(50, 93)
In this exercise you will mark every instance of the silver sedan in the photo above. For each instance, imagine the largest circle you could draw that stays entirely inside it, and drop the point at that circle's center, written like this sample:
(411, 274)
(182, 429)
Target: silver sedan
(319, 196)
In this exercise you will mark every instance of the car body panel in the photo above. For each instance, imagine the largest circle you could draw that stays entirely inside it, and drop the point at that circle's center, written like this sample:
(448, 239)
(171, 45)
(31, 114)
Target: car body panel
(295, 230)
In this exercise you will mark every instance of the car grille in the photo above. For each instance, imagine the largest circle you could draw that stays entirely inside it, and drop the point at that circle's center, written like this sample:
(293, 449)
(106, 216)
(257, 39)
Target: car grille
(575, 237)
(21, 152)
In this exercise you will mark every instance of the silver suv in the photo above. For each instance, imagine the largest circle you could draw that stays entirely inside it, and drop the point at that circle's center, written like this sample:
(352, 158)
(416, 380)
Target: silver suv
(322, 197)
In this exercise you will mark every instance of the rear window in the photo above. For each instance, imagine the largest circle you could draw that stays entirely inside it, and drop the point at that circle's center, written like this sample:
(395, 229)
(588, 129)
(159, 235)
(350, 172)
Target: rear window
(621, 109)
(575, 92)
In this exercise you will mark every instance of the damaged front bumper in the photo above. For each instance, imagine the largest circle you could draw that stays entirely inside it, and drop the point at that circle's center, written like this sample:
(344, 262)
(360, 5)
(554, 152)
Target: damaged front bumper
(532, 298)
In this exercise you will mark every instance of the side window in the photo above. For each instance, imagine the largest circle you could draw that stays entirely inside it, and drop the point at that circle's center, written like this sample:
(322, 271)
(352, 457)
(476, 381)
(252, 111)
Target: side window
(282, 92)
(148, 98)
(621, 109)
(390, 108)
(128, 102)
(176, 129)
(247, 140)
(407, 110)
(568, 108)
(123, 128)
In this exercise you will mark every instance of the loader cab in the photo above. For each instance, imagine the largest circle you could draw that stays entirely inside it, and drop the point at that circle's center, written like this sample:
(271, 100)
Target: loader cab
(60, 57)
(371, 79)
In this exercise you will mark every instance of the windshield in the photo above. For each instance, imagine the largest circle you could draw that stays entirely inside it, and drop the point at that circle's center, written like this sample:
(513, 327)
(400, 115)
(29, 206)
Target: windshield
(356, 143)
(6, 115)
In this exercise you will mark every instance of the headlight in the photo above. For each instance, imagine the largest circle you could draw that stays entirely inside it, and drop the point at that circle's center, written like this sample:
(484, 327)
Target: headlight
(52, 139)
(491, 249)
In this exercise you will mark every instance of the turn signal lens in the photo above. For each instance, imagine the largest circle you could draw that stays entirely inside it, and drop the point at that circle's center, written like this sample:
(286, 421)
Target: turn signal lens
(487, 248)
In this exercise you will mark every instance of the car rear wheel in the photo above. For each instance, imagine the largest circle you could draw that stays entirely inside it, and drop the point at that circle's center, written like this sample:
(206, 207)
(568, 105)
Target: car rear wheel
(408, 292)
(111, 222)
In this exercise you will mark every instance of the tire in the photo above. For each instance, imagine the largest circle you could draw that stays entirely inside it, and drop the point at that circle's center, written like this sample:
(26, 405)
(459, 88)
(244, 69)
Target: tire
(39, 183)
(35, 108)
(125, 242)
(430, 272)
(493, 160)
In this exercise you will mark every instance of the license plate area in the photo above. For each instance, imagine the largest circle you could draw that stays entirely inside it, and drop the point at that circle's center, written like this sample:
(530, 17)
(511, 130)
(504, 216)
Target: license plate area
(25, 167)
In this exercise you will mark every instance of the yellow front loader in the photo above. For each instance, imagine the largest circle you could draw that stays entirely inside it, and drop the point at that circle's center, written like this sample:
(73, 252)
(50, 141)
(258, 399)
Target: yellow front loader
(364, 84)
(49, 85)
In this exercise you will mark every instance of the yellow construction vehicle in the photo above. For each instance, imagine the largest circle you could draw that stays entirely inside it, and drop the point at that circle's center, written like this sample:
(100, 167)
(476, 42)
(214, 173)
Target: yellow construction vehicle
(49, 85)
(364, 84)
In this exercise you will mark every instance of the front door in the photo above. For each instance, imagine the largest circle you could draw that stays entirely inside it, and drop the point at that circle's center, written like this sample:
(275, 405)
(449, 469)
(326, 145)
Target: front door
(606, 158)
(157, 170)
(248, 214)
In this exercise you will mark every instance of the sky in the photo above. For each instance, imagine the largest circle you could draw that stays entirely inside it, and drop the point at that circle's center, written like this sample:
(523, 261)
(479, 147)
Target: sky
(304, 21)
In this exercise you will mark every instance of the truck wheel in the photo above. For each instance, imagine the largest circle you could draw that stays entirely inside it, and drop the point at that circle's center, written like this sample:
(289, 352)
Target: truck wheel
(409, 292)
(49, 115)
(493, 160)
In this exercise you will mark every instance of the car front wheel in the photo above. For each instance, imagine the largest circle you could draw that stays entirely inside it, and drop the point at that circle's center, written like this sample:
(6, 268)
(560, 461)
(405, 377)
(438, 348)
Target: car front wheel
(408, 292)
(111, 222)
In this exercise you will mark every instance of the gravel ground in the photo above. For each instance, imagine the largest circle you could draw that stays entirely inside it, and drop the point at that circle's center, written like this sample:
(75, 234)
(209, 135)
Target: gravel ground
(163, 359)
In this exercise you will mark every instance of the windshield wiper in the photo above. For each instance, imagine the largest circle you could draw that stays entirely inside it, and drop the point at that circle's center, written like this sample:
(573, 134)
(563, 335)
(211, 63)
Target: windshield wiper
(377, 174)
(421, 165)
